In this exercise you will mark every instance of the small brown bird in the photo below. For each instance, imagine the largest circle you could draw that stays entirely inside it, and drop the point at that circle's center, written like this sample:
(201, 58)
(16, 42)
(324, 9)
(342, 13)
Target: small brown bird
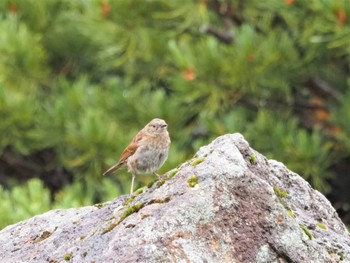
(147, 151)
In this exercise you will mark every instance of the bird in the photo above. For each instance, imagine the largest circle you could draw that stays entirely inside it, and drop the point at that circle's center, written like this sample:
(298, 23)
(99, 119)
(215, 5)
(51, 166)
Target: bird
(147, 151)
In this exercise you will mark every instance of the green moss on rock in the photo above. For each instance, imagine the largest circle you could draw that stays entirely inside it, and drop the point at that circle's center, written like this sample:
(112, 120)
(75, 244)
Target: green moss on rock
(160, 201)
(150, 184)
(198, 161)
(306, 231)
(110, 228)
(136, 193)
(128, 201)
(290, 213)
(252, 159)
(322, 226)
(172, 173)
(68, 256)
(280, 193)
(99, 205)
(43, 236)
(130, 210)
(160, 183)
(140, 190)
(192, 181)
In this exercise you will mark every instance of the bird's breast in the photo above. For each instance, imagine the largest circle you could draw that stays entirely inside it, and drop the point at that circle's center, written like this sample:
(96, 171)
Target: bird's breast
(148, 158)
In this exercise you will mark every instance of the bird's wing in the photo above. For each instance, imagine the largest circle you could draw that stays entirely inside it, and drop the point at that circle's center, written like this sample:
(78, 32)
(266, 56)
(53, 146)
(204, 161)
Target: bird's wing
(131, 149)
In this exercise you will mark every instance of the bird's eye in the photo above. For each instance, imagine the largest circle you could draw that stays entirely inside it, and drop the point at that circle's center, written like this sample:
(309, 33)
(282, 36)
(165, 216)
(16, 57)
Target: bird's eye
(153, 126)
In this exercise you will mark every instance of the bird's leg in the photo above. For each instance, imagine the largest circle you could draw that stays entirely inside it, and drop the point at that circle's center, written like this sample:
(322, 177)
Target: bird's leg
(159, 176)
(132, 183)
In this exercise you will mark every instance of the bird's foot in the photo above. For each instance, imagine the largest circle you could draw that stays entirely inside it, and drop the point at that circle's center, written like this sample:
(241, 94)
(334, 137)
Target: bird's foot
(159, 176)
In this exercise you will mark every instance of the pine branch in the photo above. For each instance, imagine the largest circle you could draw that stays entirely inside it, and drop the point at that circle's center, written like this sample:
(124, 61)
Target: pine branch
(228, 16)
(225, 35)
(322, 88)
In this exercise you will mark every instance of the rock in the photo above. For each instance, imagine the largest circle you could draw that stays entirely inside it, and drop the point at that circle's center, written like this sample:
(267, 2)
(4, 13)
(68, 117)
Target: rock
(227, 204)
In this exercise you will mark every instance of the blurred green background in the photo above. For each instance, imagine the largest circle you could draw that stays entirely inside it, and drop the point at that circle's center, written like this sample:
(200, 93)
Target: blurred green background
(79, 78)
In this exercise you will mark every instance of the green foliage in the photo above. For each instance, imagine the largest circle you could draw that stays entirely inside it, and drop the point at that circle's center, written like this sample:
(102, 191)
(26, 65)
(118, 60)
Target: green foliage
(22, 67)
(304, 152)
(80, 78)
(22, 202)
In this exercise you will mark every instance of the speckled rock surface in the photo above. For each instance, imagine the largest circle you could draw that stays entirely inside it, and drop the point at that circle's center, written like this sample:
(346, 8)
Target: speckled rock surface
(243, 208)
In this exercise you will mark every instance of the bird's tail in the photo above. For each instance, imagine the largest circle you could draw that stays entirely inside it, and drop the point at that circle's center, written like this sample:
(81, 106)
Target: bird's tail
(113, 169)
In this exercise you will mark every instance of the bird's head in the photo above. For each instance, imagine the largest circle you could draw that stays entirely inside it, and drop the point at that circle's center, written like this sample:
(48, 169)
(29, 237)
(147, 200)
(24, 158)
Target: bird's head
(156, 126)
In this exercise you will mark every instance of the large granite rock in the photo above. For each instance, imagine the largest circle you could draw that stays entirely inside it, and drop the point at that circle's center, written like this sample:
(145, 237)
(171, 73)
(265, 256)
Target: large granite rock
(227, 204)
